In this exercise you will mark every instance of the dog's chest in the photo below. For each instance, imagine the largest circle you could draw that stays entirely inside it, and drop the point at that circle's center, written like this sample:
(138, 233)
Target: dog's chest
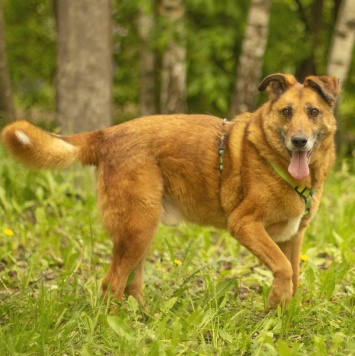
(285, 231)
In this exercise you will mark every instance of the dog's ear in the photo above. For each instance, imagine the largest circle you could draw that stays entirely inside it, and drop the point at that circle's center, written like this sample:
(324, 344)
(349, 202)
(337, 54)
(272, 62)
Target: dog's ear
(276, 84)
(327, 87)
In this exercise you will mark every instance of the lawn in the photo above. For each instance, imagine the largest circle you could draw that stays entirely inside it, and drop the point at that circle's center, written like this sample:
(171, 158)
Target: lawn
(206, 294)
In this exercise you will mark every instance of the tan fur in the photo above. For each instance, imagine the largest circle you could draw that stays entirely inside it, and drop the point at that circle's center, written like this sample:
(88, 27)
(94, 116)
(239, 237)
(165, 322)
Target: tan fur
(166, 167)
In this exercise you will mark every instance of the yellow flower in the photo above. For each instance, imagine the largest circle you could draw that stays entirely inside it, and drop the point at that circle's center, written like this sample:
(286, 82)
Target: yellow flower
(8, 232)
(177, 262)
(304, 258)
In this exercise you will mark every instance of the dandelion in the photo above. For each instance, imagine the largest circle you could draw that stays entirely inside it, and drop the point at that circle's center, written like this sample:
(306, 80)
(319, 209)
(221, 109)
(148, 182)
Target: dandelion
(177, 262)
(8, 232)
(304, 258)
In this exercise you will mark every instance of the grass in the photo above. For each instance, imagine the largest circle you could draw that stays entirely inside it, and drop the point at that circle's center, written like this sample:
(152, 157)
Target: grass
(207, 295)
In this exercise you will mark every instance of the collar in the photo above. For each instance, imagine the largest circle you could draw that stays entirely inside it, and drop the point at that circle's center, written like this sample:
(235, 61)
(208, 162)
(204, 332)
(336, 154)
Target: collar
(304, 192)
(222, 147)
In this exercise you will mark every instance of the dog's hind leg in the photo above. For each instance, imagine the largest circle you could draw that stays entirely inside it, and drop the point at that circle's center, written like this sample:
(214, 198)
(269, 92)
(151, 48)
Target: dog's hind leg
(131, 214)
(134, 286)
(131, 243)
(126, 262)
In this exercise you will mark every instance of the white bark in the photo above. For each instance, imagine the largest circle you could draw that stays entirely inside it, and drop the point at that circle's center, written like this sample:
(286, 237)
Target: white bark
(173, 87)
(251, 58)
(342, 42)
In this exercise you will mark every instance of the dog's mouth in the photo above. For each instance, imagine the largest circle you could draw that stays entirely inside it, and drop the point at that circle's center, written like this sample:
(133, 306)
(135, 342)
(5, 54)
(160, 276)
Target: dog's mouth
(298, 167)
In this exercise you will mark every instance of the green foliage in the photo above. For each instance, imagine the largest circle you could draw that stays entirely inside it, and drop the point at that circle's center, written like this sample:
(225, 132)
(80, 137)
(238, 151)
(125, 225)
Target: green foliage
(213, 50)
(31, 47)
(206, 294)
(214, 34)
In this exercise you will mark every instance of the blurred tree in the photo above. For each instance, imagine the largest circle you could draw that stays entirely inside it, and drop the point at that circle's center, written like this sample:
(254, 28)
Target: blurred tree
(148, 91)
(251, 58)
(31, 52)
(313, 23)
(343, 40)
(173, 81)
(339, 63)
(6, 102)
(84, 64)
(215, 33)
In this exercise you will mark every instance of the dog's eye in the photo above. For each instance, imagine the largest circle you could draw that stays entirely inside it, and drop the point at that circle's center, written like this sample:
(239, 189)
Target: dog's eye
(286, 112)
(313, 112)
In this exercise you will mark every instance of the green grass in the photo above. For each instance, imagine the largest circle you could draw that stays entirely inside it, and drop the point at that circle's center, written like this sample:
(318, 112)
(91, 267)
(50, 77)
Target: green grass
(54, 254)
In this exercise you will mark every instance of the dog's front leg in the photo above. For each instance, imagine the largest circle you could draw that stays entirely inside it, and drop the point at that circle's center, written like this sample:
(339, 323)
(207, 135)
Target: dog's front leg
(251, 234)
(292, 250)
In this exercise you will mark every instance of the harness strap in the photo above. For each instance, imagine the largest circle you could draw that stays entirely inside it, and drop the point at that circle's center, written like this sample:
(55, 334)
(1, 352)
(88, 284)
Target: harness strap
(304, 192)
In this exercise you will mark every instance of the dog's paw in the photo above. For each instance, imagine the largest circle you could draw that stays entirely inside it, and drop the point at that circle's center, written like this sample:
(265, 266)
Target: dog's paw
(281, 294)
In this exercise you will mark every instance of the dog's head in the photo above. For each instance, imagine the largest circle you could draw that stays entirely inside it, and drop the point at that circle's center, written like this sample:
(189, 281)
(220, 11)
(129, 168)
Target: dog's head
(300, 117)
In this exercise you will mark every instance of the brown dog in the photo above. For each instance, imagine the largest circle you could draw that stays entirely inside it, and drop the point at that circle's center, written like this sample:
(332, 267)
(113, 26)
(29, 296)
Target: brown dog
(254, 176)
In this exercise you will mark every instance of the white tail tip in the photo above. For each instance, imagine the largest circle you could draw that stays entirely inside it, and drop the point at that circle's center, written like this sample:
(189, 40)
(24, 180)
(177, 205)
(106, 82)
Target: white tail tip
(23, 138)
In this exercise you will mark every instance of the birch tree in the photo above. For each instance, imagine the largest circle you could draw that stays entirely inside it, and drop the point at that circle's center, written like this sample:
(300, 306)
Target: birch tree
(147, 96)
(251, 58)
(173, 81)
(313, 21)
(84, 64)
(342, 41)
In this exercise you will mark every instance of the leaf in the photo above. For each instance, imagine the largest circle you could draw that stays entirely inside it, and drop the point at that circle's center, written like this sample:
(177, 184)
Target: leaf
(120, 328)
(133, 303)
(195, 317)
(170, 303)
(226, 336)
(225, 286)
(86, 351)
(283, 348)
(338, 239)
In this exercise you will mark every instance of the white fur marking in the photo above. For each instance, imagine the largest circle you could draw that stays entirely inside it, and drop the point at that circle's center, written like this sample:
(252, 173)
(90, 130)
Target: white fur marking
(289, 231)
(23, 138)
(171, 215)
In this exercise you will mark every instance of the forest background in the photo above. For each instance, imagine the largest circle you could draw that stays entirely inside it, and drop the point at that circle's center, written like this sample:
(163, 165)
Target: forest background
(93, 63)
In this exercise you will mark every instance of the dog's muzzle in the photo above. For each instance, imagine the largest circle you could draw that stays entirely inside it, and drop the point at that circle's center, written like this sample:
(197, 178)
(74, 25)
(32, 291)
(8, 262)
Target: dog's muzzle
(300, 149)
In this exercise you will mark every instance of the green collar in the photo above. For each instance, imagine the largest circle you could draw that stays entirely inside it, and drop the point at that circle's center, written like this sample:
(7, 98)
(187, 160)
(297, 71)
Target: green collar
(304, 192)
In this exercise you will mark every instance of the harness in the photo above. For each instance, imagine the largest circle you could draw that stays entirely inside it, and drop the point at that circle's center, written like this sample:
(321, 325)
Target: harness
(304, 192)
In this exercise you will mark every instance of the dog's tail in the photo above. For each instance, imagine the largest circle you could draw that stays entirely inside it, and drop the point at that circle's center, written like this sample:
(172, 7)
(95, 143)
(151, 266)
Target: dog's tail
(37, 148)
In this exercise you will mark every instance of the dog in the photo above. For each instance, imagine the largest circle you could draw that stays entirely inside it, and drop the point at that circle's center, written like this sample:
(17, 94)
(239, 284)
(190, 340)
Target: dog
(260, 176)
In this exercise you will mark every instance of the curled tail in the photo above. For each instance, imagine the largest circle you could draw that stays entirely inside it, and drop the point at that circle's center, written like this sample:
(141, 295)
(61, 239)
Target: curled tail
(37, 148)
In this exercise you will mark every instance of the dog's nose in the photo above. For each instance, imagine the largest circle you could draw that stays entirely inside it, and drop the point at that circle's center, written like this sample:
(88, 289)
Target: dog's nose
(299, 141)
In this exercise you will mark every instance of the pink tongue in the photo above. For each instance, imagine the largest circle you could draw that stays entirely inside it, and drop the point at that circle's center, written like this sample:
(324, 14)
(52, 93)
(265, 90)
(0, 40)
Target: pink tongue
(298, 167)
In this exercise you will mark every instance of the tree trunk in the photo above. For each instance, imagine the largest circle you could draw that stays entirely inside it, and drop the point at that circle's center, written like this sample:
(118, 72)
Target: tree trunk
(148, 94)
(173, 81)
(313, 25)
(84, 63)
(339, 58)
(251, 58)
(342, 42)
(7, 109)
